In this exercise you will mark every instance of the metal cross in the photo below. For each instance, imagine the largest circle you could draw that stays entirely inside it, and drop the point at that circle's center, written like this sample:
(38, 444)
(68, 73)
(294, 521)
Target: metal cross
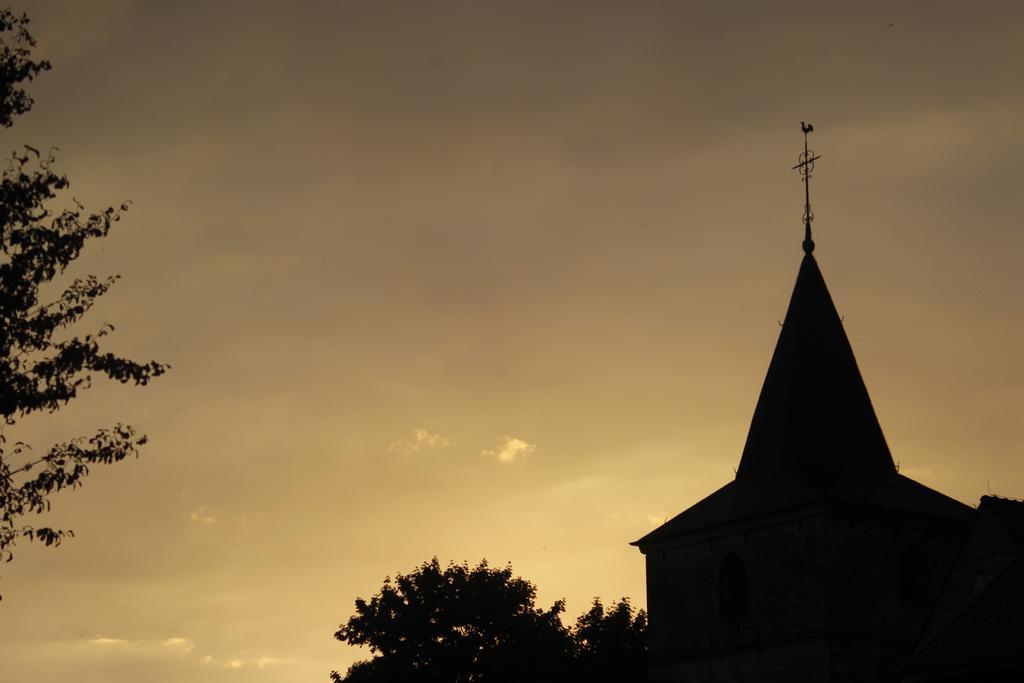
(805, 168)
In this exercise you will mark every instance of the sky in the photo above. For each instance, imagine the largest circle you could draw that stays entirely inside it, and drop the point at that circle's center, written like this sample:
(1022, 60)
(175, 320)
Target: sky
(491, 280)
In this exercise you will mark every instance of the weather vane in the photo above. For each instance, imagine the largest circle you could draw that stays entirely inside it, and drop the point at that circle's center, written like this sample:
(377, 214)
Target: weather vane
(805, 168)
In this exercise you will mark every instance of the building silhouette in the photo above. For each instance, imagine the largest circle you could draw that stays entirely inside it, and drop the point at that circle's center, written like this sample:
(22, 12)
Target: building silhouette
(975, 631)
(820, 561)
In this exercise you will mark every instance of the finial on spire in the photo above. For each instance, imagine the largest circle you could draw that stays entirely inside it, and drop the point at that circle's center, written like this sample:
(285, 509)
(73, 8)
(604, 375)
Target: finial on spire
(805, 168)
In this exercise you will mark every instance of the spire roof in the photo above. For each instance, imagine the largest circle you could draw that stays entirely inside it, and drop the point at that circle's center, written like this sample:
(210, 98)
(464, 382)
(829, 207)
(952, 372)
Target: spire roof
(814, 419)
(814, 438)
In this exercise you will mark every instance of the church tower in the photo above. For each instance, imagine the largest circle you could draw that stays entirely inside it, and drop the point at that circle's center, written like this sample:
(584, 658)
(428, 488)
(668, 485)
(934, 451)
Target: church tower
(819, 561)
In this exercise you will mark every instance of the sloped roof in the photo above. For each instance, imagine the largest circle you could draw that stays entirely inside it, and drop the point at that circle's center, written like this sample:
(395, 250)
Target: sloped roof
(751, 498)
(979, 616)
(1009, 513)
(990, 625)
(814, 437)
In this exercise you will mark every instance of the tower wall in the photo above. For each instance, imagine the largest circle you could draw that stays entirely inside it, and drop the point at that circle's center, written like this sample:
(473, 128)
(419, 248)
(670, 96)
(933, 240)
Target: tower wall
(780, 637)
(823, 597)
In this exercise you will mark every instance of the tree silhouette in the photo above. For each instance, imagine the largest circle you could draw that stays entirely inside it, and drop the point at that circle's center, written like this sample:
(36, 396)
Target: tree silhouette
(456, 624)
(611, 645)
(41, 369)
(480, 625)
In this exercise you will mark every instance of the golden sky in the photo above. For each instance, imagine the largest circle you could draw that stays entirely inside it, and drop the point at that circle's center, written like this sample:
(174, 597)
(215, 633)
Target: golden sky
(492, 280)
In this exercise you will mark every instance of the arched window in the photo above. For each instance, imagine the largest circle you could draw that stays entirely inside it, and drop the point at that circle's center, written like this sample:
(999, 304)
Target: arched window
(913, 576)
(733, 602)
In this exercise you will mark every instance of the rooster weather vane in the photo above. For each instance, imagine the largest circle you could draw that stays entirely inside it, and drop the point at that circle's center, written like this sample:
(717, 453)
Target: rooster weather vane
(805, 168)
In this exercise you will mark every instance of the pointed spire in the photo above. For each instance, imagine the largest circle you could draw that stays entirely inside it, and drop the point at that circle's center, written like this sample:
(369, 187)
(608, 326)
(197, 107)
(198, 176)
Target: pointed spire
(814, 418)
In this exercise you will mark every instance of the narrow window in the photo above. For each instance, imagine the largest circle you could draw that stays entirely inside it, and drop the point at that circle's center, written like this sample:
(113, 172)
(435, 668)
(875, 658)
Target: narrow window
(913, 576)
(732, 590)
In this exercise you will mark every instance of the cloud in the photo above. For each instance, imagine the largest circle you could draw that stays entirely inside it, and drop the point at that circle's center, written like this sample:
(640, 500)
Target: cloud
(420, 440)
(182, 644)
(258, 662)
(182, 647)
(202, 516)
(266, 661)
(510, 450)
(105, 642)
(657, 518)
